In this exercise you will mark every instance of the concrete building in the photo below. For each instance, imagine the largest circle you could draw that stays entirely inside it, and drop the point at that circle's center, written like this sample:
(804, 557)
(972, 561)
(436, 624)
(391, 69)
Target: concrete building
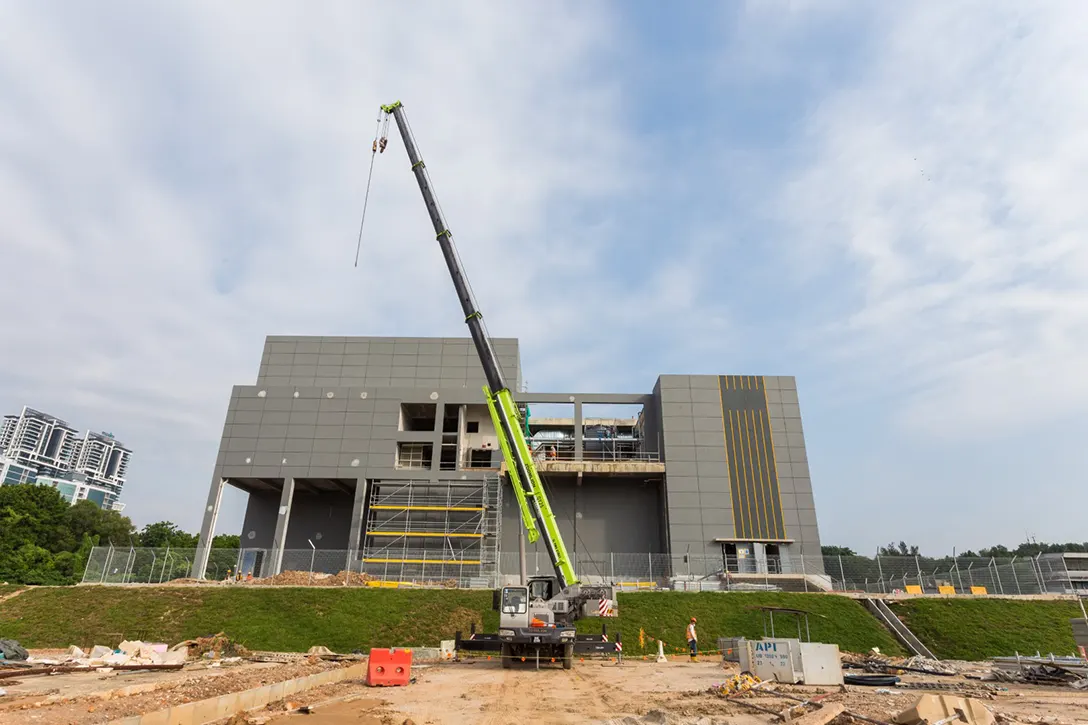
(39, 446)
(103, 461)
(12, 472)
(39, 440)
(382, 448)
(1065, 572)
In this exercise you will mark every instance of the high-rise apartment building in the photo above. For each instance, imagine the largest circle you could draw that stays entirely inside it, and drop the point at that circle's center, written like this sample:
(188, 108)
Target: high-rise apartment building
(40, 440)
(39, 446)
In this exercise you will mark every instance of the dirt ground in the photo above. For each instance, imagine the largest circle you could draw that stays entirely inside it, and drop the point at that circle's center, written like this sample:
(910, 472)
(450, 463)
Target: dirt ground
(481, 692)
(636, 692)
(94, 698)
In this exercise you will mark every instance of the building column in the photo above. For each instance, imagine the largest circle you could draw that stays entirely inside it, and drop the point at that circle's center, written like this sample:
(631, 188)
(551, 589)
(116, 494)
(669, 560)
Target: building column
(358, 523)
(283, 517)
(578, 445)
(207, 529)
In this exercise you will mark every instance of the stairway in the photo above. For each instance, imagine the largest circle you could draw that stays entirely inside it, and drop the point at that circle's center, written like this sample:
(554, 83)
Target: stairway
(885, 614)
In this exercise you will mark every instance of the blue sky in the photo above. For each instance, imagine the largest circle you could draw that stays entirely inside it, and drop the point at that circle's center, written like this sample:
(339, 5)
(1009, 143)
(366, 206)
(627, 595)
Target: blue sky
(880, 199)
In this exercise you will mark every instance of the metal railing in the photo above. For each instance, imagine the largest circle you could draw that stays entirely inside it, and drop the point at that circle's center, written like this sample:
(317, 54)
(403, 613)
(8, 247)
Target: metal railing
(698, 572)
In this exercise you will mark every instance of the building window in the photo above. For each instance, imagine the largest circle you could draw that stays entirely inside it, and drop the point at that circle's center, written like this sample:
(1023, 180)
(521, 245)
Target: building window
(418, 416)
(472, 426)
(414, 455)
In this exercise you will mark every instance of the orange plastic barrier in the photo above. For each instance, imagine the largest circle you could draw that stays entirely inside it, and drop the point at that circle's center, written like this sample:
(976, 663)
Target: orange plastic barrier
(389, 668)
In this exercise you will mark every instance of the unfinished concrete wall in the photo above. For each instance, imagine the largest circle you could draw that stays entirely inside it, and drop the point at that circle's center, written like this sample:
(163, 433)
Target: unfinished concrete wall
(604, 514)
(323, 518)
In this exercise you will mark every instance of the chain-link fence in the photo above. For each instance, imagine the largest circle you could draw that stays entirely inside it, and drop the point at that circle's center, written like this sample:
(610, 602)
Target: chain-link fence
(692, 572)
(289, 567)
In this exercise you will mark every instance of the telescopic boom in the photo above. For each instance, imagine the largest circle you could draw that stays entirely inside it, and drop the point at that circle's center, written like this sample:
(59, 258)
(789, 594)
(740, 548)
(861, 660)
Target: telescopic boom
(535, 508)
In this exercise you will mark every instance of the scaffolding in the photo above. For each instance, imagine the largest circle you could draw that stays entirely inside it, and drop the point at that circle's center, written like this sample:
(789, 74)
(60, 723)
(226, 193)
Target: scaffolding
(434, 531)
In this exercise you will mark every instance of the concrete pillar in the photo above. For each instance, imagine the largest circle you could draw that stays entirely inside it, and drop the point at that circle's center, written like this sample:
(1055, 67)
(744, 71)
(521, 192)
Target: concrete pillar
(577, 510)
(355, 536)
(207, 528)
(283, 517)
(578, 431)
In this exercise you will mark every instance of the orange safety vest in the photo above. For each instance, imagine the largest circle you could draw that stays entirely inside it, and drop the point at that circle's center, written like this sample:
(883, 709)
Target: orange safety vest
(691, 632)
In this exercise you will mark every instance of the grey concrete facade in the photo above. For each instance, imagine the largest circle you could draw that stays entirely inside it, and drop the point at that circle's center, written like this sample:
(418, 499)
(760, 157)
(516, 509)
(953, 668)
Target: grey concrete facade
(331, 422)
(725, 474)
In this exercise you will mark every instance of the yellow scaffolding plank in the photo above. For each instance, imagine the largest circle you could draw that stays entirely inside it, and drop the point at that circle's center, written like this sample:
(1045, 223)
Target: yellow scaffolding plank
(386, 507)
(420, 533)
(421, 561)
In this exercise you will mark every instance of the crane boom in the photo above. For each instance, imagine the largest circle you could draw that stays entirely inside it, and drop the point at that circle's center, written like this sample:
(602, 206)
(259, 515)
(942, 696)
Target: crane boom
(535, 508)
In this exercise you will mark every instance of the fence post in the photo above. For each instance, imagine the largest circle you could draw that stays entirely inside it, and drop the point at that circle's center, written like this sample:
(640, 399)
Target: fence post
(106, 567)
(842, 573)
(918, 566)
(650, 558)
(1068, 576)
(1016, 579)
(804, 575)
(1000, 586)
(1039, 573)
(880, 570)
(612, 560)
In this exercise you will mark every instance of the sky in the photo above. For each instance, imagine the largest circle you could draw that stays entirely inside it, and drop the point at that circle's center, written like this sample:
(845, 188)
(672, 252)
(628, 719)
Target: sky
(881, 199)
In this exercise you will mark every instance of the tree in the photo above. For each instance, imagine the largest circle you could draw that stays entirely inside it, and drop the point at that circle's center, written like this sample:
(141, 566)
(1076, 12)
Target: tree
(165, 533)
(901, 550)
(34, 515)
(227, 541)
(837, 551)
(85, 517)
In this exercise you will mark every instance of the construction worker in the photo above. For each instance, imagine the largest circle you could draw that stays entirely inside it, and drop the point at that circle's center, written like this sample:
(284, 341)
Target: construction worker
(693, 639)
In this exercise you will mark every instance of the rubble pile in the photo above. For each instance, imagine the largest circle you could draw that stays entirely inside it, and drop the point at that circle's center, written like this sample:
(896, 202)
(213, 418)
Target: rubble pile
(127, 655)
(879, 663)
(1049, 670)
(316, 579)
(212, 646)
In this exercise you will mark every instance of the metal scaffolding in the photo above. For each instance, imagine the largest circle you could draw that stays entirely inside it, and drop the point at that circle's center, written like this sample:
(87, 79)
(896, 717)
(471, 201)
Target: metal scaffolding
(427, 531)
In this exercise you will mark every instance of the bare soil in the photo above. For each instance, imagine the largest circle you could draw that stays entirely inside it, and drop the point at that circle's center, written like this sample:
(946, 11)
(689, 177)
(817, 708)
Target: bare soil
(481, 692)
(636, 692)
(94, 698)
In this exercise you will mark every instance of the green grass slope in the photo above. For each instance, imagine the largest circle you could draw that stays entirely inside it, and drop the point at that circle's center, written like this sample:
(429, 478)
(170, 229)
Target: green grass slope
(293, 619)
(976, 629)
(287, 619)
(664, 615)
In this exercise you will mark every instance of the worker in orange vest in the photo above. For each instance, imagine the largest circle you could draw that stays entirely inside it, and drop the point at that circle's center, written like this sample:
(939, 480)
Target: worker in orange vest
(693, 639)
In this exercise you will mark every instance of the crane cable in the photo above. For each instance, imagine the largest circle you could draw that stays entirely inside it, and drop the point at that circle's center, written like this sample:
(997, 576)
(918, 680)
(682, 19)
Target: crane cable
(373, 154)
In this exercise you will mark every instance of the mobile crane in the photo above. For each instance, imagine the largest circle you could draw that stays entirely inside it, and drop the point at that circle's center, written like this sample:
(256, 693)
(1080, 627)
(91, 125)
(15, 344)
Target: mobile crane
(536, 618)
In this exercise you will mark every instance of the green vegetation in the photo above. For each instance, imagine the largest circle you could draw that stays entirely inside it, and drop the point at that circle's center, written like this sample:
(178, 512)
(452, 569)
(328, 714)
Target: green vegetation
(975, 629)
(44, 540)
(294, 619)
(288, 619)
(664, 615)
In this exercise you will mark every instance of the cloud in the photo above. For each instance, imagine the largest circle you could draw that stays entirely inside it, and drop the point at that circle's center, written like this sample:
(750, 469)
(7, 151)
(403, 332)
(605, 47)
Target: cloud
(180, 181)
(947, 176)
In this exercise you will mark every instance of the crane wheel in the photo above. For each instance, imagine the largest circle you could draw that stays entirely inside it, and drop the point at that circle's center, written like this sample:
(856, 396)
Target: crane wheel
(507, 656)
(568, 656)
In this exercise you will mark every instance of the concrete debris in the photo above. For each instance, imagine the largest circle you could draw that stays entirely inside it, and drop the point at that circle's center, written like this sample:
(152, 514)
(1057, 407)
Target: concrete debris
(12, 651)
(946, 710)
(1038, 670)
(127, 655)
(822, 716)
